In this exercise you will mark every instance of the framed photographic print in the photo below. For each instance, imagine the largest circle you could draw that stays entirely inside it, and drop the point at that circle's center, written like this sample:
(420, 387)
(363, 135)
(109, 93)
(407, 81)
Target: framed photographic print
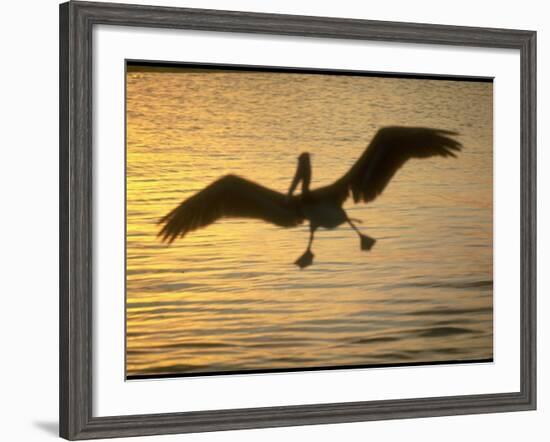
(271, 220)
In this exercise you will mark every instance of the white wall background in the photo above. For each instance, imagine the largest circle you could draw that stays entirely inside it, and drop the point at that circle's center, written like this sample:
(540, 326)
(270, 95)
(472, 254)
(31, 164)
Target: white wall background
(29, 205)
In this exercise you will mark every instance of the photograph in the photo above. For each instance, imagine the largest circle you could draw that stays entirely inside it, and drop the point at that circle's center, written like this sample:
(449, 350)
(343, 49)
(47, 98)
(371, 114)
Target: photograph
(284, 219)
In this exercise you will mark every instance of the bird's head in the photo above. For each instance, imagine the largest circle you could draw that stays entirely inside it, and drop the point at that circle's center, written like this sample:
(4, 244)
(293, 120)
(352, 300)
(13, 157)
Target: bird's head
(303, 173)
(304, 158)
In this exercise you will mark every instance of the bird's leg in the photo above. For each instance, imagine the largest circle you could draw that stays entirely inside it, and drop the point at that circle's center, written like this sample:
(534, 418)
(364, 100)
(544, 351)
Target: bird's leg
(366, 241)
(307, 258)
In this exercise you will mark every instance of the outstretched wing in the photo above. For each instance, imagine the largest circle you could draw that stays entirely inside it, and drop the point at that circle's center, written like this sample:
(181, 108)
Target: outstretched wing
(389, 150)
(230, 197)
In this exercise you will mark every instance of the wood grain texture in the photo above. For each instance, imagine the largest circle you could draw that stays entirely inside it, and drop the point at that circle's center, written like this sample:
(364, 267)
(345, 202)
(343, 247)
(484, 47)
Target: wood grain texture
(76, 167)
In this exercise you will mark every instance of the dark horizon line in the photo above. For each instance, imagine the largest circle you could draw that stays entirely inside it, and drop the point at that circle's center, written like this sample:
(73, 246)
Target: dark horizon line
(133, 65)
(294, 370)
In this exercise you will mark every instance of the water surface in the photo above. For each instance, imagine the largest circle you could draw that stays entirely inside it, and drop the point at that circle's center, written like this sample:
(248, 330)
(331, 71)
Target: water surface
(228, 297)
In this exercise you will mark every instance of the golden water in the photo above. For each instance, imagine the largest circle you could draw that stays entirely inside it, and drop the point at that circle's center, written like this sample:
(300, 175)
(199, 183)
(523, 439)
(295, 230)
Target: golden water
(228, 297)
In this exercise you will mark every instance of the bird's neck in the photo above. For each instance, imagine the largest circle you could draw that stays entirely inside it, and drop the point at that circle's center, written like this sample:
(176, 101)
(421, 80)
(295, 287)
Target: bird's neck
(306, 178)
(303, 174)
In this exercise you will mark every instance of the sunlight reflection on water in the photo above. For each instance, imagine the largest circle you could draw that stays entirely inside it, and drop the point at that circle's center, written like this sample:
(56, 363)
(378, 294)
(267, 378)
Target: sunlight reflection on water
(229, 298)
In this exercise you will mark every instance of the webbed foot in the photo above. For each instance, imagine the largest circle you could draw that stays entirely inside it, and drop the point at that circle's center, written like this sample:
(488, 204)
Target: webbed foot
(305, 260)
(366, 242)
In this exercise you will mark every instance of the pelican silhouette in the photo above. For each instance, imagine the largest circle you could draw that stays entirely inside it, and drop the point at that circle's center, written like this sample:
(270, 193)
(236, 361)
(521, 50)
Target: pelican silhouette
(235, 197)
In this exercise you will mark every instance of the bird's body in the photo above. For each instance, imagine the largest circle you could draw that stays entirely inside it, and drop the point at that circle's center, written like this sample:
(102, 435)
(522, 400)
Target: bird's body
(237, 197)
(326, 214)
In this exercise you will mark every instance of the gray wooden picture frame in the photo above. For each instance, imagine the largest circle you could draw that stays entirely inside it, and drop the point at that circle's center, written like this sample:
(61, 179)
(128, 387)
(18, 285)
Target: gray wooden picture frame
(77, 20)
